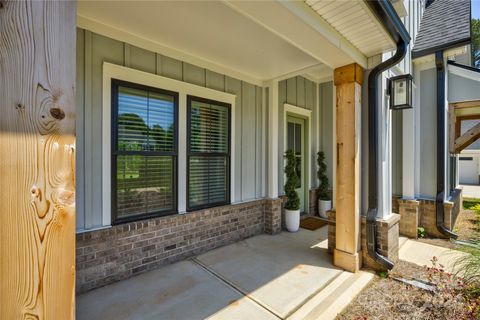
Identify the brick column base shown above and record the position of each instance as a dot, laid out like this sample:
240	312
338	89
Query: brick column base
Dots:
387	240
273	215
408	210
428	214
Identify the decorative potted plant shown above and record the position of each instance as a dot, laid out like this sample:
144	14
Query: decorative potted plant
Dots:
324	201
292	205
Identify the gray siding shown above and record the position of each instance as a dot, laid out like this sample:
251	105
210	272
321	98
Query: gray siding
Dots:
92	51
462	89
428	133
299	92
327	126
397	152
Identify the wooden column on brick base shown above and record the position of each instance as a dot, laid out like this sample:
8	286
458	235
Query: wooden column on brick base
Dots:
37	167
348	80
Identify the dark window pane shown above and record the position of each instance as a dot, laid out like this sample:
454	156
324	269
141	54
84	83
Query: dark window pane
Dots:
145	152
145	120
132	119
291	136
207	180
208	171
161	122
144	184
298	139
130	184
209	128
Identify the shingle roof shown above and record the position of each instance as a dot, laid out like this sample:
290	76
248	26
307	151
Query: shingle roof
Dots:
445	24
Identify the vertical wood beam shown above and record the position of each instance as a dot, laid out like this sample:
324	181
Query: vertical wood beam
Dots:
348	80
37	168
454	128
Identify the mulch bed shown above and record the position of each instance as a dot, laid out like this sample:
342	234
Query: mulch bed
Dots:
467	228
386	298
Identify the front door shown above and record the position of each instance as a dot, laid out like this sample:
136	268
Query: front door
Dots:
296	142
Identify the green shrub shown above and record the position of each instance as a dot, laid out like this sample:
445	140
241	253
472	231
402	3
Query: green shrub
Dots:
471	204
322	191
421	232
293	201
468	266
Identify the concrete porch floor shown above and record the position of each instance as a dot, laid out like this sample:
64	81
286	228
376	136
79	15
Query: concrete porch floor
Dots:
286	276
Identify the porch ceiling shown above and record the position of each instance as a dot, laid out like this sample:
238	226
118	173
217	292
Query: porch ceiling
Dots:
209	31
355	21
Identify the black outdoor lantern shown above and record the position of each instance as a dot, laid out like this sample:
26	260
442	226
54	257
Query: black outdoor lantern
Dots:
401	92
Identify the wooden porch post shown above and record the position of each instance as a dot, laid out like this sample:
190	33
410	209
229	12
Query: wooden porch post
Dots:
348	80
37	160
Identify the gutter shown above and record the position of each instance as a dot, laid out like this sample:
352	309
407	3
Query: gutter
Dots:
440	198
388	17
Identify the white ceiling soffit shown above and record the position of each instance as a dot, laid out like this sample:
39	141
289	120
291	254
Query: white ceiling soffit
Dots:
355	21
298	24
206	33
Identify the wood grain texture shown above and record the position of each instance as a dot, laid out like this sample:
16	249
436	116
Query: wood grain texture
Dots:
348	108
467	138
37	147
465	104
347	74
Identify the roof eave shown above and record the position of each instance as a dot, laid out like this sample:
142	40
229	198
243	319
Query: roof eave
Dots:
443	47
385	12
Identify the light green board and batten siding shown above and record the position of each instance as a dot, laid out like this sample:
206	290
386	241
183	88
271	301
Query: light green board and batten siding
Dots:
92	51
300	92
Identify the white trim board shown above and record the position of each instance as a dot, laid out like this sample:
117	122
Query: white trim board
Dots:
112	71
464	73
306	114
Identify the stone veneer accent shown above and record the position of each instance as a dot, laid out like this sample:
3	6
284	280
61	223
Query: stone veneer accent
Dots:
109	255
387	240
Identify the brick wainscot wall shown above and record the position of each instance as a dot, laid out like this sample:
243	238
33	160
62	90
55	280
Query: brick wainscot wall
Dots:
108	255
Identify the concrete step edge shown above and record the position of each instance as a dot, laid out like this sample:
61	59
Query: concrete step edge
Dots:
328	303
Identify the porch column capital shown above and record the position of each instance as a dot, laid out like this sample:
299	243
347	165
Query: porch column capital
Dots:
348	74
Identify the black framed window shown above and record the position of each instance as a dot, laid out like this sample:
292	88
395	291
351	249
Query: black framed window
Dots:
208	174
144	151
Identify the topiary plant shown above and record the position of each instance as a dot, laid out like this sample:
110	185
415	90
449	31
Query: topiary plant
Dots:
293	201
322	191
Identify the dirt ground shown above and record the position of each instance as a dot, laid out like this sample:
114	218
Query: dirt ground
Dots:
388	299
467	228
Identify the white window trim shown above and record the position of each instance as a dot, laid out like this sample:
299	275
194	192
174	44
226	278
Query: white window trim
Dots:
307	115
112	71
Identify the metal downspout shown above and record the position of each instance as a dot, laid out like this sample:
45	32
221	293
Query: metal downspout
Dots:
440	198
371	230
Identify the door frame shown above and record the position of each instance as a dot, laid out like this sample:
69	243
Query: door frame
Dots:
299	112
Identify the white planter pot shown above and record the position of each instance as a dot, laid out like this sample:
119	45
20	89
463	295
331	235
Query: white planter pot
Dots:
323	207
292	220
